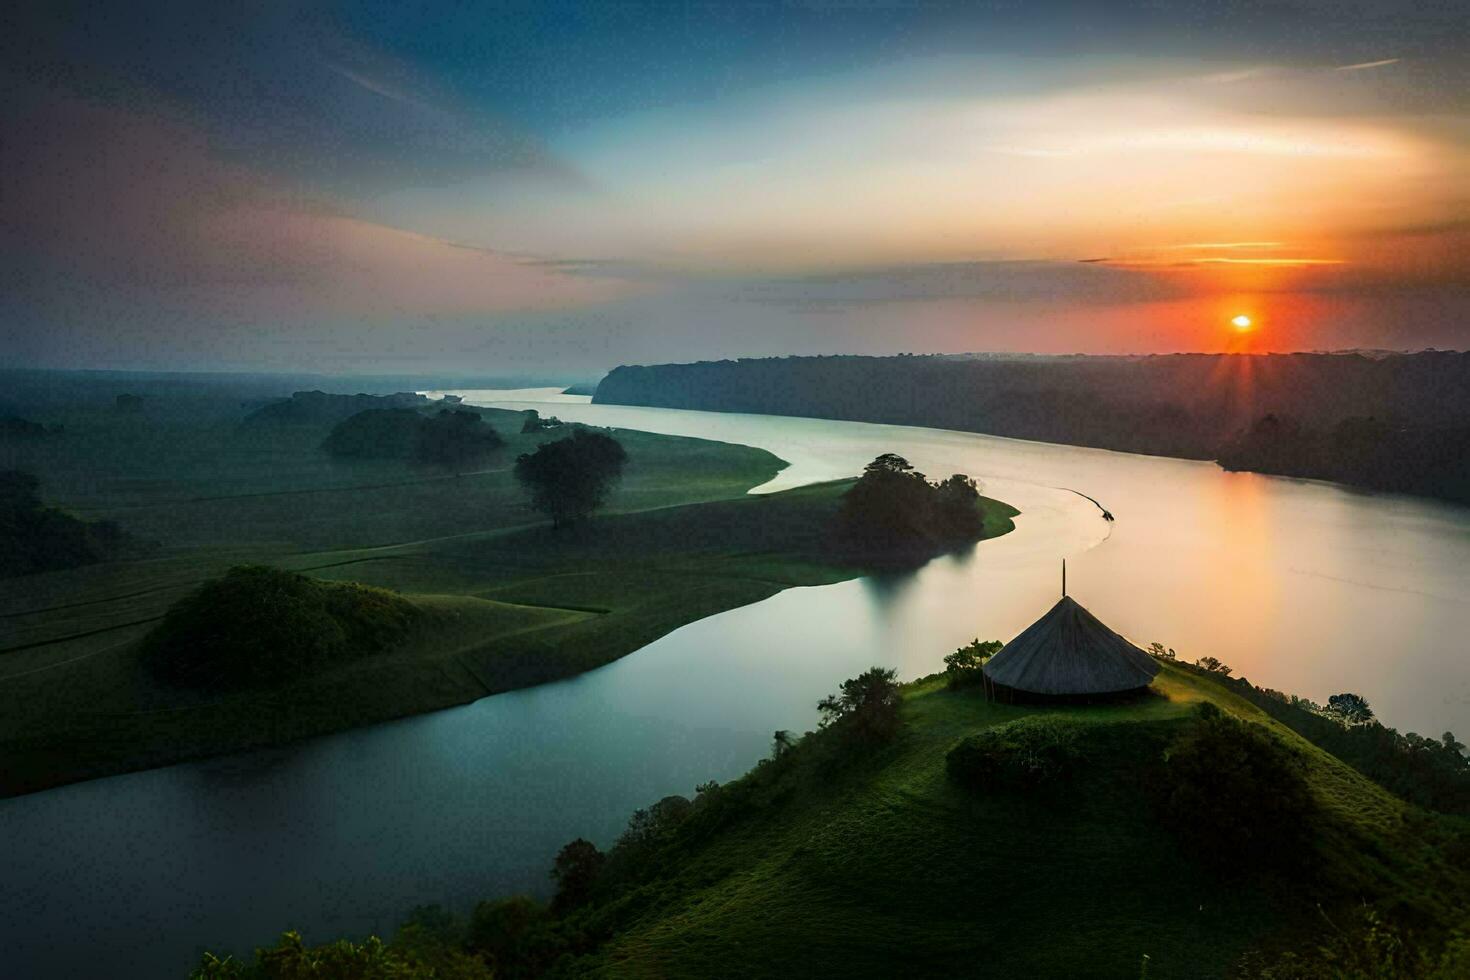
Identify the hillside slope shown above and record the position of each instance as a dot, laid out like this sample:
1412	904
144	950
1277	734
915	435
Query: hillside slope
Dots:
819	863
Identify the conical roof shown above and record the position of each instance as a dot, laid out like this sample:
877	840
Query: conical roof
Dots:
1070	651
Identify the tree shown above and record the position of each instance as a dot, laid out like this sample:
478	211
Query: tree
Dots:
964	665
1213	666
956	507
453	438
575	871
865	705
377	433
570	478
1351	708
448	438
781	743
894	513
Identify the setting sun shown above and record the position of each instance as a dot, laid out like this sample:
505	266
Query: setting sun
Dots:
1241	322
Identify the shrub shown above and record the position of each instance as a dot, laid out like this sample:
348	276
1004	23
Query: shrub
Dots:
1236	792
263	625
866	706
1024	754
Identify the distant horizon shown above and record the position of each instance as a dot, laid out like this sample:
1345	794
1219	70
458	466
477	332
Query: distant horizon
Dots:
552	376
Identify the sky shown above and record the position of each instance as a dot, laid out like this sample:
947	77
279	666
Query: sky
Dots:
532	187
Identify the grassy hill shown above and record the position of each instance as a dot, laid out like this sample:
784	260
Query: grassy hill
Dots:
835	863
833	859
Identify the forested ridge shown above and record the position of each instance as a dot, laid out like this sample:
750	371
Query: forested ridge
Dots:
1416	406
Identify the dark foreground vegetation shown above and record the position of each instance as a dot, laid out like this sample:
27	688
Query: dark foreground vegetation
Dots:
463	587
1396	422
926	831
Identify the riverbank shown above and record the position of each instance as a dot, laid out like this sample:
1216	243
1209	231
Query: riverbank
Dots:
507	605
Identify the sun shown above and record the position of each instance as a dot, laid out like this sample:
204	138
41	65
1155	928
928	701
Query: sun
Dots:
1241	322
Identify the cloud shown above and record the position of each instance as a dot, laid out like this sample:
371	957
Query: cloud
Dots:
1368	64
138	207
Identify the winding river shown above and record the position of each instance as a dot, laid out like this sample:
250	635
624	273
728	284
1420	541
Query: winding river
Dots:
1305	587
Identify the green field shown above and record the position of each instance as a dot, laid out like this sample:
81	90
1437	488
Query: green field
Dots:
509	602
834	863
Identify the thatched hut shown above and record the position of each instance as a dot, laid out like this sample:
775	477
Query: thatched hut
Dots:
1068	654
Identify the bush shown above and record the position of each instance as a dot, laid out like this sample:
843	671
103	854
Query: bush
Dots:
1236	792
263	625
1024	754
866	706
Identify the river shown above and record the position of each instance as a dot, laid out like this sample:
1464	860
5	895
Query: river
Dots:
1306	587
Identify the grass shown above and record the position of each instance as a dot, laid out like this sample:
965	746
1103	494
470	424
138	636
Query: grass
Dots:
883	867
508	602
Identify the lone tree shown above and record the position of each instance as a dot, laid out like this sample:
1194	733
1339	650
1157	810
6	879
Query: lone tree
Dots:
570	478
